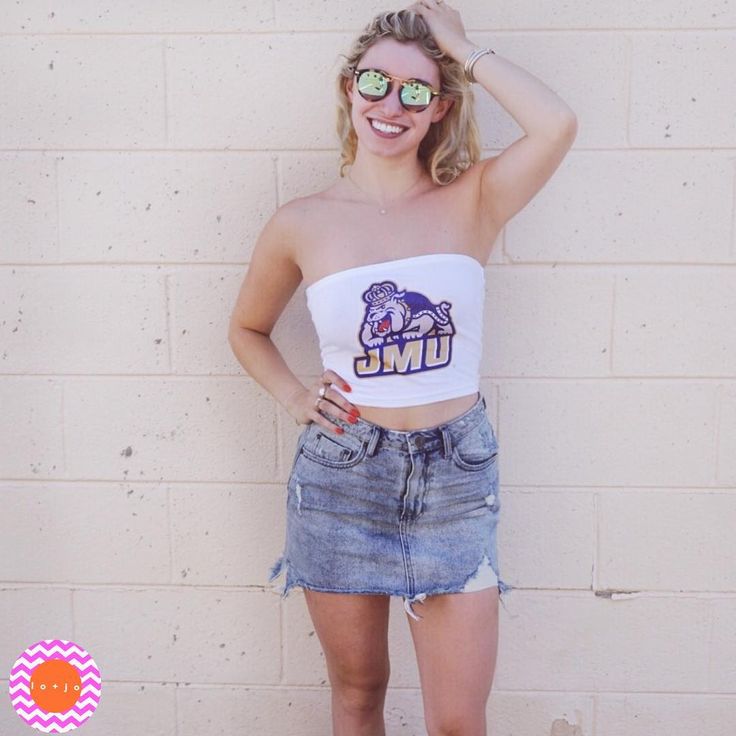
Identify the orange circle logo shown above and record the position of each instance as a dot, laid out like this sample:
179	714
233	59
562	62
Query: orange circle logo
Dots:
55	686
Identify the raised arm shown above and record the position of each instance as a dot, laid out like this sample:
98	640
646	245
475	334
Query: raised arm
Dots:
508	181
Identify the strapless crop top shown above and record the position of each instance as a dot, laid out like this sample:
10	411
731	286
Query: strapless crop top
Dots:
402	332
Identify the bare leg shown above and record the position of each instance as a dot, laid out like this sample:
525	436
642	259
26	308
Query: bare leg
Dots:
353	632
456	643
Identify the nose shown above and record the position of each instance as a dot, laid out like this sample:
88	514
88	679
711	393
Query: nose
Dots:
391	102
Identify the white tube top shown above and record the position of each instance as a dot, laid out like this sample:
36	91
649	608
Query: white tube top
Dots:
402	332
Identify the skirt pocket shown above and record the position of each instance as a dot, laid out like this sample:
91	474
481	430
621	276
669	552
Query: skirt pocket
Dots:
338	451
477	449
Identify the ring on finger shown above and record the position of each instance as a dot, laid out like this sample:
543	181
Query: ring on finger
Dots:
322	391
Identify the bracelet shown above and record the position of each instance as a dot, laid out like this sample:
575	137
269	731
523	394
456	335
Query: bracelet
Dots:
470	62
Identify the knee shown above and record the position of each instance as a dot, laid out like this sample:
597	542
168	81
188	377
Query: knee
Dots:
458	725
360	694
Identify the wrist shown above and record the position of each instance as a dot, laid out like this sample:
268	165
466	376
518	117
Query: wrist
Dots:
291	397
462	49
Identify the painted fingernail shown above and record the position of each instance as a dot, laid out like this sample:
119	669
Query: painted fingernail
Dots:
340	430
347	388
352	419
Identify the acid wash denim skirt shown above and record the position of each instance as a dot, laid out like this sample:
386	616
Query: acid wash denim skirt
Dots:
401	513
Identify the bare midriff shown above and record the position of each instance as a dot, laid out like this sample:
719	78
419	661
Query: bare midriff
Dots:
422	416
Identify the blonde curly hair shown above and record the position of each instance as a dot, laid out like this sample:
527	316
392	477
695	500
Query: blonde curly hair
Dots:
451	145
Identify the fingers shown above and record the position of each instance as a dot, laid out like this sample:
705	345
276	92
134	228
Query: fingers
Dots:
429	5
335	404
329	376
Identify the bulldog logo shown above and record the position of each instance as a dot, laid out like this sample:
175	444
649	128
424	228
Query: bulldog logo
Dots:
402	332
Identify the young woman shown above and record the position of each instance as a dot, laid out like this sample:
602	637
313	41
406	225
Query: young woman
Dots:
393	488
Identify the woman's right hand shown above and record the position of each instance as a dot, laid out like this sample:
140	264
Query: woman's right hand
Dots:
302	405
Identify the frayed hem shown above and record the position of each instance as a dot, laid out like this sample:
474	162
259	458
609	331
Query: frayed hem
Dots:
487	576
282	565
276	569
409	601
503	589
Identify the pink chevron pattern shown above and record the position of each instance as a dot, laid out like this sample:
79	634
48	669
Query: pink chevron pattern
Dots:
19	686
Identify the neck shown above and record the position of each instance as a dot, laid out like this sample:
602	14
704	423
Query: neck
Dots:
385	178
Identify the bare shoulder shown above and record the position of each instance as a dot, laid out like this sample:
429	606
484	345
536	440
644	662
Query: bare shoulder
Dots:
282	229
311	205
282	237
307	217
275	268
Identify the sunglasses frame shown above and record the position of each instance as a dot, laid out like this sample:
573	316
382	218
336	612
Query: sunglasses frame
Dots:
391	78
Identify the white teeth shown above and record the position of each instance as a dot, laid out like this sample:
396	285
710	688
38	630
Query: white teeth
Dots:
386	128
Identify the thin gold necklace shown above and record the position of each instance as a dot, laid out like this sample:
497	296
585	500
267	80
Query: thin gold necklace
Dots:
382	208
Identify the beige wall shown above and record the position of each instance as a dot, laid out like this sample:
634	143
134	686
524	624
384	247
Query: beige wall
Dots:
142	473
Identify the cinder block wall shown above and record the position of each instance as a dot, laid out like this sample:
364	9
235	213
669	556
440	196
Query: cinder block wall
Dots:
143	147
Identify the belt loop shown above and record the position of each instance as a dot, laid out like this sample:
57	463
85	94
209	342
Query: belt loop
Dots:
373	441
446	442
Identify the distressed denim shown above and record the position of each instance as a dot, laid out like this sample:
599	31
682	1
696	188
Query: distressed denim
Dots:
405	513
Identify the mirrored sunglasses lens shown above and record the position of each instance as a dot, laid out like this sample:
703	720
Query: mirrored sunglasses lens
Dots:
416	94
372	84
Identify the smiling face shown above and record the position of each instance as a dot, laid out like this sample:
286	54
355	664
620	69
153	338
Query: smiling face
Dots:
405	60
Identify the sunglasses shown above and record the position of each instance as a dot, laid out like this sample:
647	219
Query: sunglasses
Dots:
415	94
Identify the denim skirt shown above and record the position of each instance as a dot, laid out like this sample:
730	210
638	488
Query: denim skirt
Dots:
384	511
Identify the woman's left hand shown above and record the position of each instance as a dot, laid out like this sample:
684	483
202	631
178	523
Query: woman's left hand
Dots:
444	23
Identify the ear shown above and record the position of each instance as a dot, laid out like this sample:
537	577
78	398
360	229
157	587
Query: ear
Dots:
443	108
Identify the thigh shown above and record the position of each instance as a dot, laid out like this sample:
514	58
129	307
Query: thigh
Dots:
456	643
353	631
